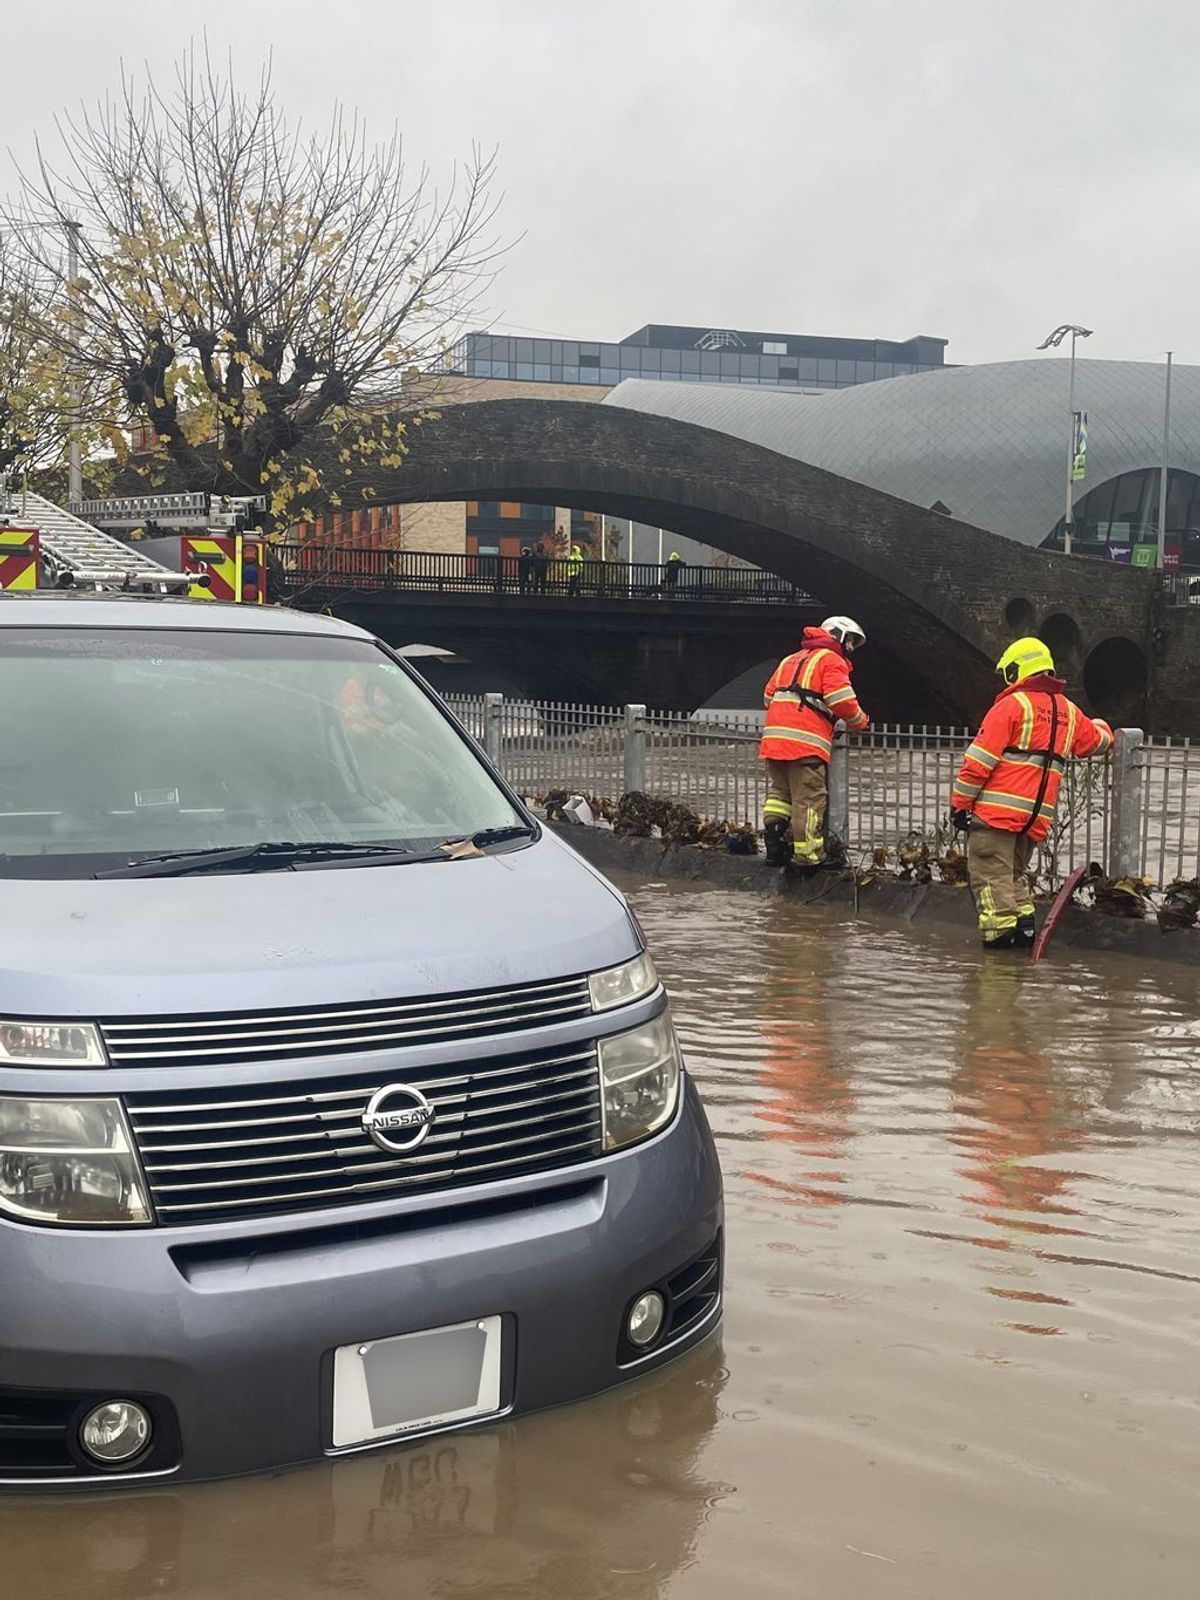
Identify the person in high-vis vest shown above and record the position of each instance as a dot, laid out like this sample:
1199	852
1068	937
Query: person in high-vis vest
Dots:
1007	787
574	570
807	695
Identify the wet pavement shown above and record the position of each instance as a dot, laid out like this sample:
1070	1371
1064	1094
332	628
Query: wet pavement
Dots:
960	1352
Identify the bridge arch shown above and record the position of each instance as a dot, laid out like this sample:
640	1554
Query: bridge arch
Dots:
933	593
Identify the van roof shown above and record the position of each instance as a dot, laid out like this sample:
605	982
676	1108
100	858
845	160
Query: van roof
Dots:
63	608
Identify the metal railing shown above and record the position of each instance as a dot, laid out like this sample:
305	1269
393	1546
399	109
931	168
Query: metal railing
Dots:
1182	588
1136	812
313	565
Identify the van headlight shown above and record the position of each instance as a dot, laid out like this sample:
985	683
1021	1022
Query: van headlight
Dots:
621	986
69	1161
50	1044
639	1081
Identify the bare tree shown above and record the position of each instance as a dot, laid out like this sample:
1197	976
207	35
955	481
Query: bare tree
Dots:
34	383
255	291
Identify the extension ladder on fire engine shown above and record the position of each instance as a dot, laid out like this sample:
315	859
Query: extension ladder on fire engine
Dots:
74	552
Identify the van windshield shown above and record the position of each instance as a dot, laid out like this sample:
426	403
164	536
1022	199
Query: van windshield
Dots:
117	744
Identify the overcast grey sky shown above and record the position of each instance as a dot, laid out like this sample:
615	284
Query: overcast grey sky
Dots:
977	169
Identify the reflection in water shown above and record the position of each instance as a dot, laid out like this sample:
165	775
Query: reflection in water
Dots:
518	1510
808	1100
929	1157
1013	1112
1013	1106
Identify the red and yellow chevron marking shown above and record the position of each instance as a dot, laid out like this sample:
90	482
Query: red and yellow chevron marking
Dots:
216	557
19	558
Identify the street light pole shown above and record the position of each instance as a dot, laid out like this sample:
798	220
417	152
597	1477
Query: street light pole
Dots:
1052	341
1162	472
74	454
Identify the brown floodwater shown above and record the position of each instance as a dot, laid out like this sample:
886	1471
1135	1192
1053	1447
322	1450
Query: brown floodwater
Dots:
960	1357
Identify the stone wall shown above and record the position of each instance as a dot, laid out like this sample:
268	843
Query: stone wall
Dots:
443	527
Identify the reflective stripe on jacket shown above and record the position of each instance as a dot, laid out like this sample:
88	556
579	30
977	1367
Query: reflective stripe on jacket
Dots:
1011	773
807	693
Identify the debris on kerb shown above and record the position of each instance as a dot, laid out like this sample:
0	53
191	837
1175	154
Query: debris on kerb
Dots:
1181	905
641	816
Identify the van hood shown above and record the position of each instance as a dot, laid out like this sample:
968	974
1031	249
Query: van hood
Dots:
155	946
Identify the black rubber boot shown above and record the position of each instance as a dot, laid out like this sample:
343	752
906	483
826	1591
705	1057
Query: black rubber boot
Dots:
1003	941
1026	933
777	842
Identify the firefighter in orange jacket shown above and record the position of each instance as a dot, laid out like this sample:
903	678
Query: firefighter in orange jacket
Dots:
1007	786
807	694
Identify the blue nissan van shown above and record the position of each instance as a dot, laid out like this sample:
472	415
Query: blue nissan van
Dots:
340	1102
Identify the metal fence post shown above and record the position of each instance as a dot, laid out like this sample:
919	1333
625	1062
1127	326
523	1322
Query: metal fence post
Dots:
635	749
838	819
1125	837
493	712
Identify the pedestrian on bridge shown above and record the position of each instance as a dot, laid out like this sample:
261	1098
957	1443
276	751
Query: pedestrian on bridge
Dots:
1007	787
525	569
574	570
808	693
671	570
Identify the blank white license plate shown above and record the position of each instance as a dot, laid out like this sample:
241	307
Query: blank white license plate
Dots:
416	1381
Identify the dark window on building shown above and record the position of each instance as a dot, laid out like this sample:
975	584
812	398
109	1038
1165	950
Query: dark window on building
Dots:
1129	507
1124	512
1095	510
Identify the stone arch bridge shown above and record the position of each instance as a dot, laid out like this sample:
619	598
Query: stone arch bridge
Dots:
939	598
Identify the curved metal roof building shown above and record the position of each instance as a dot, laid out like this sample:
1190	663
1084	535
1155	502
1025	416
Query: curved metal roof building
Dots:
985	443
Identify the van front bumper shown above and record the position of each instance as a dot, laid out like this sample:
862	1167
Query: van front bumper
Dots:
227	1333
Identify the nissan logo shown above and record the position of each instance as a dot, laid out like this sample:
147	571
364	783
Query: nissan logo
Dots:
398	1118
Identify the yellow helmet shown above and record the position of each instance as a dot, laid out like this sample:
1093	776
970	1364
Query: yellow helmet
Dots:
1023	659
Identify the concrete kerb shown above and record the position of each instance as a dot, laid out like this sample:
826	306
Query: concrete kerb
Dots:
933	904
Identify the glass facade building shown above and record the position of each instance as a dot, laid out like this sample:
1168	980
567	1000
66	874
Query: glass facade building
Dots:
678	354
1119	520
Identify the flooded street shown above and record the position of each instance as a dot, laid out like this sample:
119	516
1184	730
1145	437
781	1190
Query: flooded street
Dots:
960	1356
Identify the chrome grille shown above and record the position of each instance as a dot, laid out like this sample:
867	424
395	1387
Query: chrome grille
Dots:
254	1150
216	1037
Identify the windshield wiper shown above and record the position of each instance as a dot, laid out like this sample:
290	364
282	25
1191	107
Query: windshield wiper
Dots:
486	836
281	855
270	854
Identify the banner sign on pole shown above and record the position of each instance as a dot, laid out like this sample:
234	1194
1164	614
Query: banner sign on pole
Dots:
1079	448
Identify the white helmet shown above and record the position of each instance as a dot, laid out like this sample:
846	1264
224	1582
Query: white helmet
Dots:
846	631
